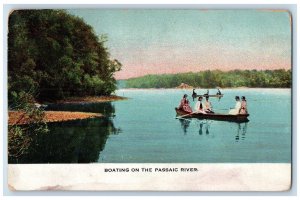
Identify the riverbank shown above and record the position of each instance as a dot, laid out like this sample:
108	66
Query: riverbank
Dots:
20	118
92	99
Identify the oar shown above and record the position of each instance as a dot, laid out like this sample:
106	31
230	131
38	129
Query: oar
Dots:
184	119
223	109
181	117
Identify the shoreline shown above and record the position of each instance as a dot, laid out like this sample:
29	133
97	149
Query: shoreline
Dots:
89	99
20	118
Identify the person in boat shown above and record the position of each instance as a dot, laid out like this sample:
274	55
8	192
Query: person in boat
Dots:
219	92
185	104
236	110
207	93
194	93
244	106
199	107
208	106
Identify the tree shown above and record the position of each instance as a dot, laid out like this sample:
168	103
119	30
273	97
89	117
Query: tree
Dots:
57	55
52	55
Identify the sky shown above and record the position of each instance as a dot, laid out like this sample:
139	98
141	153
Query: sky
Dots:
176	41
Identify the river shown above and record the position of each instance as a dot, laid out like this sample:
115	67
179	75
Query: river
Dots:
143	129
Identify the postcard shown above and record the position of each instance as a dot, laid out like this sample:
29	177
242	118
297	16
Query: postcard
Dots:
149	99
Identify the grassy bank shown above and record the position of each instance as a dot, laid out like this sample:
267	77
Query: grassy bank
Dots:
21	118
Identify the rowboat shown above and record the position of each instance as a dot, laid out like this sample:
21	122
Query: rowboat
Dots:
208	95
214	116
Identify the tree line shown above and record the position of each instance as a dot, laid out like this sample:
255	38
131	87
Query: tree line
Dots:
279	78
53	55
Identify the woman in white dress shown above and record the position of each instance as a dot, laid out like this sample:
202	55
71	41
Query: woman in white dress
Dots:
236	110
199	107
208	106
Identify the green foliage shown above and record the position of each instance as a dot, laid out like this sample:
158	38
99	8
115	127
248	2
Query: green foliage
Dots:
209	79
20	137
57	55
51	55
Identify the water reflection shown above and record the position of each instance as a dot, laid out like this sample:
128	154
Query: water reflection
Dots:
200	130
79	141
241	129
105	108
185	123
205	126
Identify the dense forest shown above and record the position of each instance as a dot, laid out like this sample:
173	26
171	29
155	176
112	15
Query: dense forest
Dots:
209	79
53	55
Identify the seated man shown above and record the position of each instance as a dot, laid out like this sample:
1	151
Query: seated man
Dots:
199	107
207	93
208	106
194	95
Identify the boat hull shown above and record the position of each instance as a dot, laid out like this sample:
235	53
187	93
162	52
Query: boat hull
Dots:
211	95
214	116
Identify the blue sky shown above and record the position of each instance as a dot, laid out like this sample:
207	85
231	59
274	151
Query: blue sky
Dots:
172	41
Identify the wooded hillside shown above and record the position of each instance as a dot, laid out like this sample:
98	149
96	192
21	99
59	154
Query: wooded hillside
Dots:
53	55
209	79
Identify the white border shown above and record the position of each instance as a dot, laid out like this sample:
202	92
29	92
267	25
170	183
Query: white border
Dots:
187	177
245	3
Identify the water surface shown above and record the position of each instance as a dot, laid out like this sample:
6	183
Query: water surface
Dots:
143	129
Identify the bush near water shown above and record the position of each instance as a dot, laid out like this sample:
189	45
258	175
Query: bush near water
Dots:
279	78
